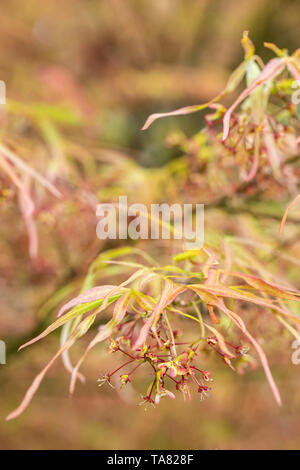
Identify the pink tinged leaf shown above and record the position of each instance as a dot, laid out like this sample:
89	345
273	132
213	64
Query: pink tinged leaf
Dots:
264	362
95	293
255	163
241	325
69	366
268	72
36	383
285	215
27	210
233	316
83	308
246	296
270	289
212	314
169	293
74	313
177	112
80	330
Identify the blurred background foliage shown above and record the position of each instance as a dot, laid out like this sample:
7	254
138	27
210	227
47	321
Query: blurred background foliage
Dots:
81	78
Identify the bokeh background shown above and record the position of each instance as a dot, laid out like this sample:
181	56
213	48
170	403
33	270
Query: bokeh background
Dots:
115	62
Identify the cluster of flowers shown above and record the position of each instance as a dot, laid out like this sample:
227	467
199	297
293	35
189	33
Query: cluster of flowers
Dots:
178	370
